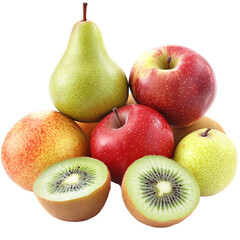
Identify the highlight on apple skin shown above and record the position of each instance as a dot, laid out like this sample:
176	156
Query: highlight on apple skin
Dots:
129	133
176	81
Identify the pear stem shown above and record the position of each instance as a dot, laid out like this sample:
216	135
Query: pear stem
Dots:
206	132
169	59
117	117
85	11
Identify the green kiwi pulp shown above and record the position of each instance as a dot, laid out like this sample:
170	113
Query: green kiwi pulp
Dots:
73	179
70	179
161	189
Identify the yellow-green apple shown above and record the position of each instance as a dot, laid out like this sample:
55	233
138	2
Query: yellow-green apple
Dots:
210	156
176	81
128	134
39	140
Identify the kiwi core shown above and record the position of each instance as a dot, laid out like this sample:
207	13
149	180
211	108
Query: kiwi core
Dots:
72	179
163	188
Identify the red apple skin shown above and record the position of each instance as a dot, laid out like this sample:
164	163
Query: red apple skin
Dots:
144	132
182	93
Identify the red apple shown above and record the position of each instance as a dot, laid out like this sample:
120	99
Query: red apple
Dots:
176	81
128	134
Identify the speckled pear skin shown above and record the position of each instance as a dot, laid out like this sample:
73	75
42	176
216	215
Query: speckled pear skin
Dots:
39	140
203	122
87	83
212	159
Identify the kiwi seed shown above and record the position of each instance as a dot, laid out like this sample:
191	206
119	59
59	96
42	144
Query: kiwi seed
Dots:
74	189
149	185
61	182
159	192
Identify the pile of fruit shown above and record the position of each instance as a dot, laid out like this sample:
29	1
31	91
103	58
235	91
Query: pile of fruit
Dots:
157	144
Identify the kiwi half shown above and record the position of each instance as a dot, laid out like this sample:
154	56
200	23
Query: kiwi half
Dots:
75	189
159	192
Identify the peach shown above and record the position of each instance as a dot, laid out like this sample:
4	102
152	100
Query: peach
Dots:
87	127
39	140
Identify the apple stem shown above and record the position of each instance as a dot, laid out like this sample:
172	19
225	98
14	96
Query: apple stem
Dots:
85	11
169	59
206	132
117	117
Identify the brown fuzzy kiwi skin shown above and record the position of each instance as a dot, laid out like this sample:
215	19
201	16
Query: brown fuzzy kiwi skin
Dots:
138	215
203	122
79	209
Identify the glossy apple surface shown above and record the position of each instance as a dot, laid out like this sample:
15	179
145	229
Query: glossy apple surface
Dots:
176	81
143	131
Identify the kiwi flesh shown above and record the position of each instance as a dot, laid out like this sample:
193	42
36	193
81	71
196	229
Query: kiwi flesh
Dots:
74	189
159	192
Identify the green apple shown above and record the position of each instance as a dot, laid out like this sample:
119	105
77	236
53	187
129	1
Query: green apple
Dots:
210	156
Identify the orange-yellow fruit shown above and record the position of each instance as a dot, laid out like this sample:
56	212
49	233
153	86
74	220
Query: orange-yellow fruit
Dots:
203	122
74	189
39	140
87	128
130	100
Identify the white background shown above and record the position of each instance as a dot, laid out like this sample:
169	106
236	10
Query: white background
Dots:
34	35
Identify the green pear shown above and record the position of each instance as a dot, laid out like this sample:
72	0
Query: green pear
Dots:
87	84
210	156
